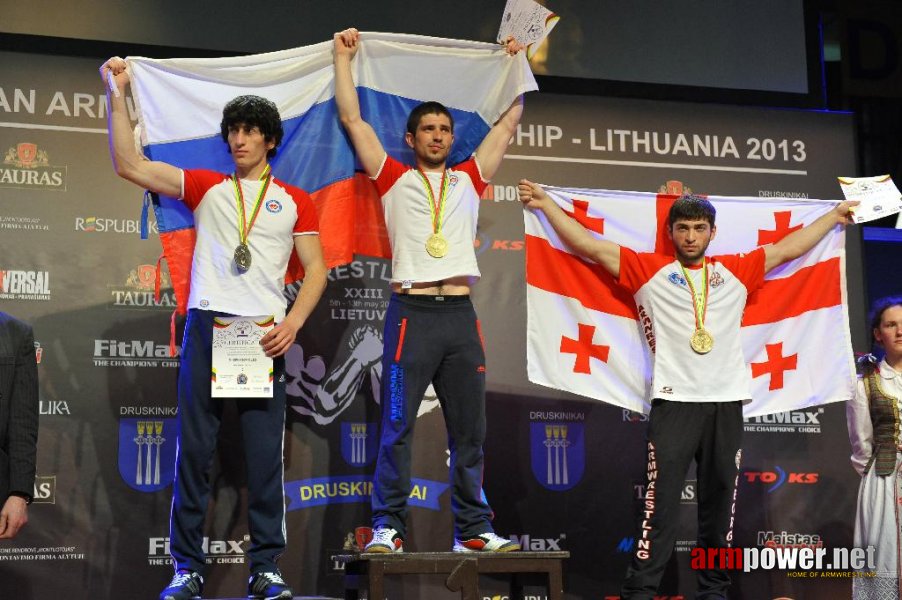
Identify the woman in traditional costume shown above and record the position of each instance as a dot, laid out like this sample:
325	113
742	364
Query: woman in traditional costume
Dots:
873	418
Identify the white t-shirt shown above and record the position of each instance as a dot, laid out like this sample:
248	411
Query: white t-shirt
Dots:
662	294
216	282
408	219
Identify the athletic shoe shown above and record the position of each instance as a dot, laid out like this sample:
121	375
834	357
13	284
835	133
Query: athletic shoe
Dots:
268	586
486	542
385	540
185	585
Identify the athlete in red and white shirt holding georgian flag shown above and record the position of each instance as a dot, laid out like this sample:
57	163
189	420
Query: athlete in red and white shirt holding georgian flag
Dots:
431	331
700	379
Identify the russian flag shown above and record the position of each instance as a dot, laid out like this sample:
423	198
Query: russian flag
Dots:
586	335
179	107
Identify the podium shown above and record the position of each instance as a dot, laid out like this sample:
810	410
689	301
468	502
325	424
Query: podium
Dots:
368	570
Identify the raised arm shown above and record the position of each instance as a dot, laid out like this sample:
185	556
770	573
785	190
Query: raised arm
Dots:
801	241
494	145
155	176
310	252
366	143
603	252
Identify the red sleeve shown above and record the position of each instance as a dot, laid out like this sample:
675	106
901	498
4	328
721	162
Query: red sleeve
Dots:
390	172
307	221
471	168
196	182
748	268
636	269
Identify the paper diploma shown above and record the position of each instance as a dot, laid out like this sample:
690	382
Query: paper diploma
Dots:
879	197
240	367
529	23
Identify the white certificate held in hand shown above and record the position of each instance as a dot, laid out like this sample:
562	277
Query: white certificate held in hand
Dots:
240	367
529	22
879	197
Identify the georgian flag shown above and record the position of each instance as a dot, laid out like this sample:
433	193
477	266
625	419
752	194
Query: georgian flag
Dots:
584	334
179	104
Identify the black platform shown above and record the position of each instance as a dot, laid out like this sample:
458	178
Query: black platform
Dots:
462	570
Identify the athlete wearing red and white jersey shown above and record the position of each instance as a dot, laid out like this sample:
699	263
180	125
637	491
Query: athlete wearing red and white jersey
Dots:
700	380
408	220
216	283
659	285
247	224
431	334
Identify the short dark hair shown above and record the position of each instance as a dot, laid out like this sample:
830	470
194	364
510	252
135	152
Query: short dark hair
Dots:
427	108
690	207
881	306
253	111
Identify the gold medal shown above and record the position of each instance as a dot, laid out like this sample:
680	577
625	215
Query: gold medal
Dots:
243	257
701	341
437	245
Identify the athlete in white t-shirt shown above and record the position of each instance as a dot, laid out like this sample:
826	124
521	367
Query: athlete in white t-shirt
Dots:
700	378
248	224
431	331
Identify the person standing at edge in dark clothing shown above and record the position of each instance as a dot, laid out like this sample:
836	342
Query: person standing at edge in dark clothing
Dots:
246	282
18	423
700	378
432	334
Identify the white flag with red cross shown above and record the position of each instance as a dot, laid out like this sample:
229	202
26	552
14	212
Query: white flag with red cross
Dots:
586	336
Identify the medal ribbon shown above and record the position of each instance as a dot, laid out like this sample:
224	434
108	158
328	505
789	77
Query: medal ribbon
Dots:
244	229
436	209
699	301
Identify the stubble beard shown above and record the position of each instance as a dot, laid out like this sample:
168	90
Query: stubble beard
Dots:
433	161
686	258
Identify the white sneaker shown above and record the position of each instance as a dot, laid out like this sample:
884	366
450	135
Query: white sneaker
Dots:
385	540
486	542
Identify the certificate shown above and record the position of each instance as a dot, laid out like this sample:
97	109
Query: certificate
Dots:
879	197
240	367
529	22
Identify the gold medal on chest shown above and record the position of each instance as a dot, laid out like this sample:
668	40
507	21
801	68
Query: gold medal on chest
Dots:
437	245
701	341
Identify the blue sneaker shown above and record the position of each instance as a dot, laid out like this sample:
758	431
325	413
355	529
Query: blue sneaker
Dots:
185	585
268	586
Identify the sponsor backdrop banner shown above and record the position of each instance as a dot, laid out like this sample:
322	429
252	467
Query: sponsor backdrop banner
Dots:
562	472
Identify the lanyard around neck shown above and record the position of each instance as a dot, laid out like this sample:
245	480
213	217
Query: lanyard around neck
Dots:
699	300
436	209
244	229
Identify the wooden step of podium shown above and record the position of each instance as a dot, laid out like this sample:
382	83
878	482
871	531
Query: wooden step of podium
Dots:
368	570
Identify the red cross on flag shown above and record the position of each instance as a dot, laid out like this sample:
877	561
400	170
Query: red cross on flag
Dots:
587	336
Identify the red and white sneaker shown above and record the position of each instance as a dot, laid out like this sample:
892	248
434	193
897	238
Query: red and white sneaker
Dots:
486	542
385	540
